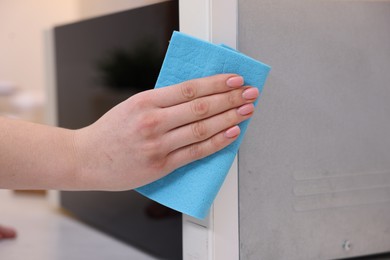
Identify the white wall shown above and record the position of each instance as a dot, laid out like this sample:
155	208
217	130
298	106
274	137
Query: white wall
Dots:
22	24
23	51
24	47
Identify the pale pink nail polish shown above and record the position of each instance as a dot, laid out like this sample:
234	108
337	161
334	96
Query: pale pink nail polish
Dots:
236	81
232	132
250	93
246	109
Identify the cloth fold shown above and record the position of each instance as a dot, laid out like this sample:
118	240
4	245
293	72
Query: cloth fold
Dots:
192	188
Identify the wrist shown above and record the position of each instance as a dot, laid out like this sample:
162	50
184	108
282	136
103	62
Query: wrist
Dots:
79	160
88	164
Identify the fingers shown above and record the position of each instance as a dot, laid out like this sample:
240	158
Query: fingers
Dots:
192	89
208	106
204	129
200	150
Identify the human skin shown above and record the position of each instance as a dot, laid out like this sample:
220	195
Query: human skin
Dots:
138	141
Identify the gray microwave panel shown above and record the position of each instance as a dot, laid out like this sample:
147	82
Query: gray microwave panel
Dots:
314	168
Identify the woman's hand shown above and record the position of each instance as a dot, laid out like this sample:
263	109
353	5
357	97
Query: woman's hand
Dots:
140	140
156	131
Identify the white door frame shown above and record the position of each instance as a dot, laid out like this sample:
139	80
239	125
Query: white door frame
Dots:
217	236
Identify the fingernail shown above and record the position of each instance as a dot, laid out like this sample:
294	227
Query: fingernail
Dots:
236	81
232	132
246	109
250	93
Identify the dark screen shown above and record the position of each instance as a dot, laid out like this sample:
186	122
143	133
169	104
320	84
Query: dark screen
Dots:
99	63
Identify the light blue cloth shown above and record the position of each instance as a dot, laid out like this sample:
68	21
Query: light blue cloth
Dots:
192	188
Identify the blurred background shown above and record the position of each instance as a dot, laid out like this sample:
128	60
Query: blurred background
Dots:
37	41
25	68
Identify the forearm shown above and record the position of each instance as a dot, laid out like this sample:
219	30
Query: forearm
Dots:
34	156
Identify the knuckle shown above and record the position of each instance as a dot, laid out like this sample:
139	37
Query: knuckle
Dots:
152	152
141	100
231	117
188	90
217	143
200	107
199	130
148	125
159	166
195	151
233	98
